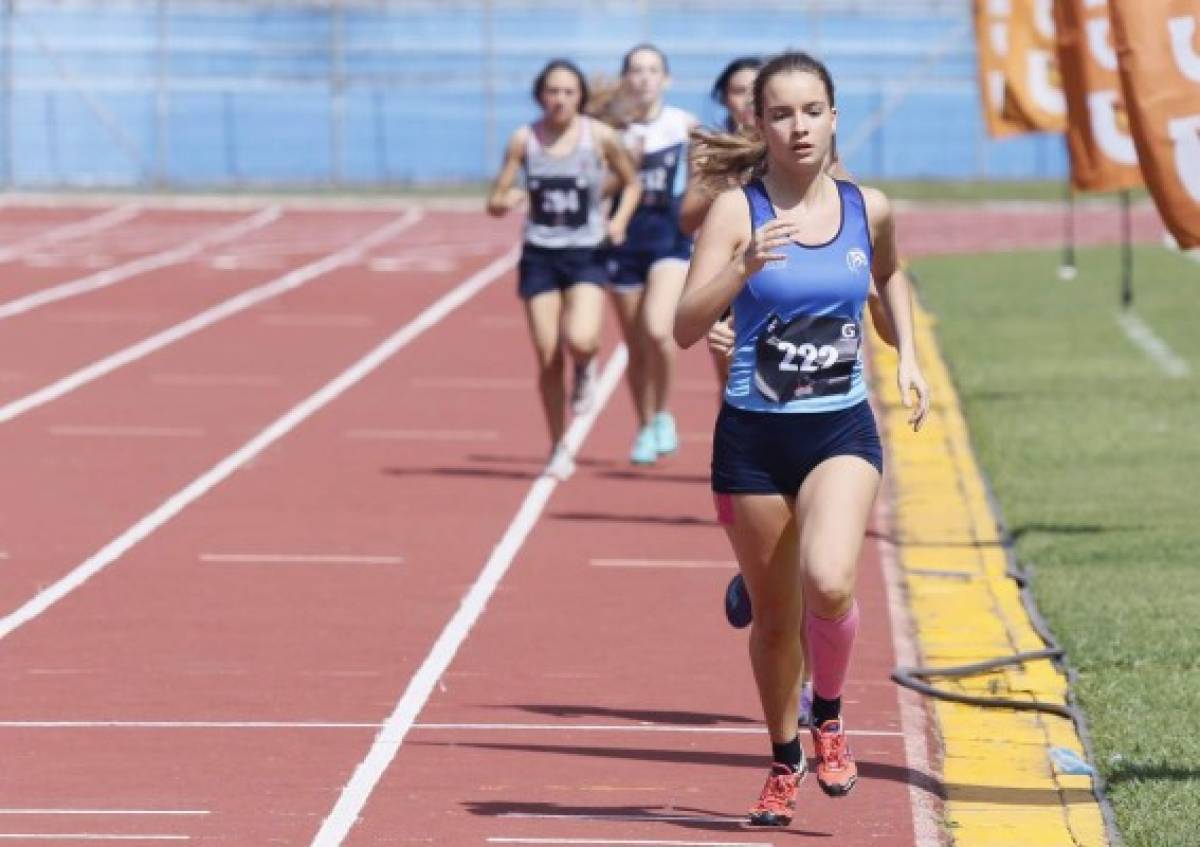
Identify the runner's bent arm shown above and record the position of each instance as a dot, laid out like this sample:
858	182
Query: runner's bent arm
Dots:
502	197
621	166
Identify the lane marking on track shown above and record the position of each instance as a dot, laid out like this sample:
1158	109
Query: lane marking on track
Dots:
351	321
299	559
648	817
914	716
96	223
105	812
128	431
423	434
427	727
350	377
203	380
710	564
214	314
1140	333
611	842
473	382
86	836
370	770
141	265
104	317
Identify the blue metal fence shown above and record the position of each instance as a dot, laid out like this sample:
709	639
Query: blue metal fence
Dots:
180	93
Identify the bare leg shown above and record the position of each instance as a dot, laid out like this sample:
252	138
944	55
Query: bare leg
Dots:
663	289
544	314
583	314
627	304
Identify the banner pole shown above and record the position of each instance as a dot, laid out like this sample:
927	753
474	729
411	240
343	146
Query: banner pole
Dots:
1126	252
1067	269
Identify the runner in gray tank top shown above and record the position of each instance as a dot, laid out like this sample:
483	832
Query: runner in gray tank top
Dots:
564	157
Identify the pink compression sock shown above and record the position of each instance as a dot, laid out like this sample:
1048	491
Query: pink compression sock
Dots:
829	644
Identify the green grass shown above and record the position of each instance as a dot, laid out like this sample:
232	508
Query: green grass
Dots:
1094	456
942	190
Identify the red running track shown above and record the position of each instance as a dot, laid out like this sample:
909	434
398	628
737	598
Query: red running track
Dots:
220	681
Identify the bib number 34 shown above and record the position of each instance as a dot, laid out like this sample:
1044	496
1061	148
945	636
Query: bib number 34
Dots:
808	356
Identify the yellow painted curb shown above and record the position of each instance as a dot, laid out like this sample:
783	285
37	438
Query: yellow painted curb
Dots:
1001	789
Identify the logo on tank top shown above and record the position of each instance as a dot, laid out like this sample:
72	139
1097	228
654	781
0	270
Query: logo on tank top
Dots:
856	260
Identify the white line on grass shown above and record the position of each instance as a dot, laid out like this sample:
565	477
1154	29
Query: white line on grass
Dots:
387	743
96	223
116	548
1143	336
141	265
238	303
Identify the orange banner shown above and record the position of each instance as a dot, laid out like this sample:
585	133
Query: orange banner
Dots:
1031	66
1103	156
1158	52
1001	116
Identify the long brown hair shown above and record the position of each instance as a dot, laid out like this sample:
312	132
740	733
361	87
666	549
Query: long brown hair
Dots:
723	159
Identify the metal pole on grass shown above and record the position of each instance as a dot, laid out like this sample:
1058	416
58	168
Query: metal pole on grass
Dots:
1126	251
1067	268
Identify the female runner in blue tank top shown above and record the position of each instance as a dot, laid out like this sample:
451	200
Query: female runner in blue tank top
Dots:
561	274
796	455
648	270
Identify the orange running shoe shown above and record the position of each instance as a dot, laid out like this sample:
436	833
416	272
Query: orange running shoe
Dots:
777	803
836	771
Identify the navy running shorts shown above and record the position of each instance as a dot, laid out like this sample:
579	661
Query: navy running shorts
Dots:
774	452
628	268
545	269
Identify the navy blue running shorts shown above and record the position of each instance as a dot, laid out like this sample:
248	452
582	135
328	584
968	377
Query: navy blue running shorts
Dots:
628	268
545	269
773	452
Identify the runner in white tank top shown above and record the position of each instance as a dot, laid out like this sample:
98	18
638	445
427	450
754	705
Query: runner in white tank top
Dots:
561	275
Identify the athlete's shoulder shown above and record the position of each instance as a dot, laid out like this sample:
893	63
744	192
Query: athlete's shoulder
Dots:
681	120
876	201
730	211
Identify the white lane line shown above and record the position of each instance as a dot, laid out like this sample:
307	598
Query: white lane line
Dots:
116	548
473	382
424	434
128	431
387	743
628	842
299	559
1168	361
205	380
721	564
137	812
914	712
97	223
104	317
141	265
210	316
86	836
567	728
317	320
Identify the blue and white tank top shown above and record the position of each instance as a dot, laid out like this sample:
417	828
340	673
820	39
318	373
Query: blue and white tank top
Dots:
564	192
663	141
798	322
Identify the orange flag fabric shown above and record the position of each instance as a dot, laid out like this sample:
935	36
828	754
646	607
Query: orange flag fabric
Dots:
1001	115
1103	155
1031	66
1158	52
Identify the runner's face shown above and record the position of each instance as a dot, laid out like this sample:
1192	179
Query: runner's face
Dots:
646	77
797	121
560	96
739	97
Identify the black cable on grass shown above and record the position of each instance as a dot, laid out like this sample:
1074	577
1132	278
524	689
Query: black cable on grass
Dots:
917	678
